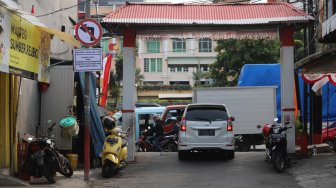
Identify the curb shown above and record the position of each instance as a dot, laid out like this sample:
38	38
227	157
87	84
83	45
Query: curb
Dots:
11	181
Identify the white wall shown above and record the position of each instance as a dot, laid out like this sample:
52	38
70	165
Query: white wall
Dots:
28	108
59	49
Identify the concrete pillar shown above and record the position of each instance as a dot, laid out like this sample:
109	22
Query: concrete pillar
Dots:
165	45
129	88
287	83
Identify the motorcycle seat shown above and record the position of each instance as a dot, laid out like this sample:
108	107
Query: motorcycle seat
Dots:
124	143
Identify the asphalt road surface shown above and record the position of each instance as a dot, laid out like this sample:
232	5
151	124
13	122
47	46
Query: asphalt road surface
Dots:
248	169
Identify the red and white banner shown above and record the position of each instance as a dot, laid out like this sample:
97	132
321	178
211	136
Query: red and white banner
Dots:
312	78
107	61
319	79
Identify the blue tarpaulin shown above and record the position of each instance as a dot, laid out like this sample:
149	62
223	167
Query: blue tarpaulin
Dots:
269	75
96	128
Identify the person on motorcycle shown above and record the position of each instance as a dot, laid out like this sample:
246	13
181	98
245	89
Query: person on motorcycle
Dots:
175	129
158	130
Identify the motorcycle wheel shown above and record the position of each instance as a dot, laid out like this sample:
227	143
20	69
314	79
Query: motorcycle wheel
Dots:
170	147
66	170
47	174
279	162
109	169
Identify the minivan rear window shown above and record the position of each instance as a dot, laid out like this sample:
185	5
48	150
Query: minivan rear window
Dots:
206	114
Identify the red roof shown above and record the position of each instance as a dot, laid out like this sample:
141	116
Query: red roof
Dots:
208	14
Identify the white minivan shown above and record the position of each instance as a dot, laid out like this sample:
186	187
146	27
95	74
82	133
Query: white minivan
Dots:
206	127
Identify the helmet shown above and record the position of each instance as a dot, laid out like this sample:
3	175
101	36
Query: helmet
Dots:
156	117
266	131
108	123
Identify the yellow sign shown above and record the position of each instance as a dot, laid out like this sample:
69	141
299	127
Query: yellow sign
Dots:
28	48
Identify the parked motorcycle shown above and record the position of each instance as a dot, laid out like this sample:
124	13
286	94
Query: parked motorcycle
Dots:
276	144
43	158
115	148
168	143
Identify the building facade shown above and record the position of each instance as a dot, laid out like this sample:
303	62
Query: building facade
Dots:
174	61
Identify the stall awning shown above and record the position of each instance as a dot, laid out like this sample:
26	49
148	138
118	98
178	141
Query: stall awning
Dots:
318	69
61	35
320	62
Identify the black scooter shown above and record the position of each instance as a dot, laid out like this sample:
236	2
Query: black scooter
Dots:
276	146
43	158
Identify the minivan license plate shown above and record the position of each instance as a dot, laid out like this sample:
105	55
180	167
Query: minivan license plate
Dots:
206	132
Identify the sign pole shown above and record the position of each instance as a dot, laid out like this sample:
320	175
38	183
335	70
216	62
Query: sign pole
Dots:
87	113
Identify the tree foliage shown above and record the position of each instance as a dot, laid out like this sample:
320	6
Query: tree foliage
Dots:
298	46
115	82
197	76
138	77
116	79
233	54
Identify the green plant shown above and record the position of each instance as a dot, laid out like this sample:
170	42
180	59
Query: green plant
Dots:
298	126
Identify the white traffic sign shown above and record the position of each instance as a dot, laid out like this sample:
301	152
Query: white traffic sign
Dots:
88	60
88	32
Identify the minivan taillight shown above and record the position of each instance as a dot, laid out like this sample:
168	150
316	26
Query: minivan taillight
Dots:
229	124
183	126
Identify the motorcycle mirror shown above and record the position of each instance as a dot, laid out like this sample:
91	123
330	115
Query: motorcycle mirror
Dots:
128	129
258	126
276	119
287	123
49	122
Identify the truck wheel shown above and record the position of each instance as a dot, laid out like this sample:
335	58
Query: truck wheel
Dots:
245	145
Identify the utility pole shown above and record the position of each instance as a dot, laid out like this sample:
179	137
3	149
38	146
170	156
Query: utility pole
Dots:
87	112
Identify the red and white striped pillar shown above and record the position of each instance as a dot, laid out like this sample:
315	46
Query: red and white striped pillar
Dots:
129	90
287	83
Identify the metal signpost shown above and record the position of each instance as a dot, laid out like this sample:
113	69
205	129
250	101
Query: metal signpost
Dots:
89	59
89	33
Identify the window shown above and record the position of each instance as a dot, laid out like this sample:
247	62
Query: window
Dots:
206	114
152	65
153	46
172	69
179	45
179	69
204	69
205	45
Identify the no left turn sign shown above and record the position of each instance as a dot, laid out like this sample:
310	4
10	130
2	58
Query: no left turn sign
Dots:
88	32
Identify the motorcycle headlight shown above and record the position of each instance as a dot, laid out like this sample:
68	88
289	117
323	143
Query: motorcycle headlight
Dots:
276	130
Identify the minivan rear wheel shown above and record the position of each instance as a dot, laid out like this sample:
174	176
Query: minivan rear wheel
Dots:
182	155
230	155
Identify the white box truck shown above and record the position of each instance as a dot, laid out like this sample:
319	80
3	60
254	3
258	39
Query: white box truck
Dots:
250	106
